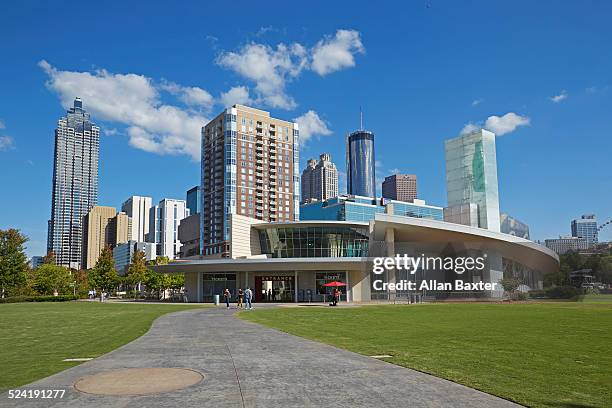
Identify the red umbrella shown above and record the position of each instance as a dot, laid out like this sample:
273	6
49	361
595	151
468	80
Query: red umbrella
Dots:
335	283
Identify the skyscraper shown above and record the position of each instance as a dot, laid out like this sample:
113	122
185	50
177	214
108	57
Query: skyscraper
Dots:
194	200
586	227
360	164
401	187
75	183
320	181
164	219
250	166
102	227
137	208
471	175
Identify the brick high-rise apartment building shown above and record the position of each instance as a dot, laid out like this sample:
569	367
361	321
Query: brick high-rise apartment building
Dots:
401	187
250	166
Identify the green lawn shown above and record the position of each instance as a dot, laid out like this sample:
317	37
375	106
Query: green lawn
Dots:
540	354
36	337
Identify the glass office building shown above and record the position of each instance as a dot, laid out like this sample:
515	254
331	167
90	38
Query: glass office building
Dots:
360	164
194	200
586	227
75	183
364	209
471	175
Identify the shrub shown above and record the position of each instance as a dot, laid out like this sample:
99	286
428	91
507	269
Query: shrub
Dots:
19	299
563	292
522	296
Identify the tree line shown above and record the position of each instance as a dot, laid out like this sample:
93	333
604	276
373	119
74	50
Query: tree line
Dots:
18	279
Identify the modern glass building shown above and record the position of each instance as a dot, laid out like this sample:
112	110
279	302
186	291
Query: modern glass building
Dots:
512	226
471	175
292	261
360	164
75	183
364	209
194	200
586	227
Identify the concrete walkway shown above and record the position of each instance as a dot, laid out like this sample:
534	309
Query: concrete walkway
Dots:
247	365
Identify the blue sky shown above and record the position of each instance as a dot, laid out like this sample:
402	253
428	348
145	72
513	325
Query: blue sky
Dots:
152	72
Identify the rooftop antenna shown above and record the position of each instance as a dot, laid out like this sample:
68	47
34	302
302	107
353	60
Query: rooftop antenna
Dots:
360	119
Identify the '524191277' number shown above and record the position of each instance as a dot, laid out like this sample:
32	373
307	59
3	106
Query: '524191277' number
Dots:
36	394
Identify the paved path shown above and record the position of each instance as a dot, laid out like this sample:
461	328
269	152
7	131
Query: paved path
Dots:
247	365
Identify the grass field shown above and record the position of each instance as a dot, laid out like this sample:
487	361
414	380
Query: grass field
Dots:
36	337
542	355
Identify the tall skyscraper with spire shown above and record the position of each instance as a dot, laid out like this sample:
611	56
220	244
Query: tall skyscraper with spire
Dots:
75	183
360	162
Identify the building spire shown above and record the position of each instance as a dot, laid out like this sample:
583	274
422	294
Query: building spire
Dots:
360	118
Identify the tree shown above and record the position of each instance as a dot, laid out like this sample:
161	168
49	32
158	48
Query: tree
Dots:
510	285
82	283
153	281
51	279
13	260
137	270
103	275
50	258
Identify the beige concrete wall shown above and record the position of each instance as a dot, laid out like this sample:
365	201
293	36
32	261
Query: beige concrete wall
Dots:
245	241
360	285
192	287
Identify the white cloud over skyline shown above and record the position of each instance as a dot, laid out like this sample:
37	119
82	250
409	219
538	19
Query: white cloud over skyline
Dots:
500	125
310	124
272	68
134	101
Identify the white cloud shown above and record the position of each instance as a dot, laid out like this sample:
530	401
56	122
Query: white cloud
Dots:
190	95
394	171
500	125
469	128
6	143
476	102
558	98
310	124
271	69
335	53
134	101
236	95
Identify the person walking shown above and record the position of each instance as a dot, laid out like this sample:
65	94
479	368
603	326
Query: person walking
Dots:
240	297
336	296
248	296
226	296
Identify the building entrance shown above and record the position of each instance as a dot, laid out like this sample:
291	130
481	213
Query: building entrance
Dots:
274	288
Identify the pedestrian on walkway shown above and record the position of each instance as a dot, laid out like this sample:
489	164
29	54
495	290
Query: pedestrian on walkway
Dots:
248	296
240	297
226	296
336	296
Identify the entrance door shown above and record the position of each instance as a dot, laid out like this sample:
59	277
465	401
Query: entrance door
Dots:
274	288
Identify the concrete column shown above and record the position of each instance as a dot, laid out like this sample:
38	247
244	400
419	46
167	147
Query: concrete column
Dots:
348	285
390	244
200	296
296	287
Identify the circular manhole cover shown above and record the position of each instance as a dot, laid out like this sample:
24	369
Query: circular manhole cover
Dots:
138	381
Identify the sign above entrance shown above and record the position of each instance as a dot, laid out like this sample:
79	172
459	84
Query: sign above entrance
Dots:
276	278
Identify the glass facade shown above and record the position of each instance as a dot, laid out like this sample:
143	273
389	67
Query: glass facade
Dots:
314	241
75	184
363	209
471	175
360	164
586	227
194	200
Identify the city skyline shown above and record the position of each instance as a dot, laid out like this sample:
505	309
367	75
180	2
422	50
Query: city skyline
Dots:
550	111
